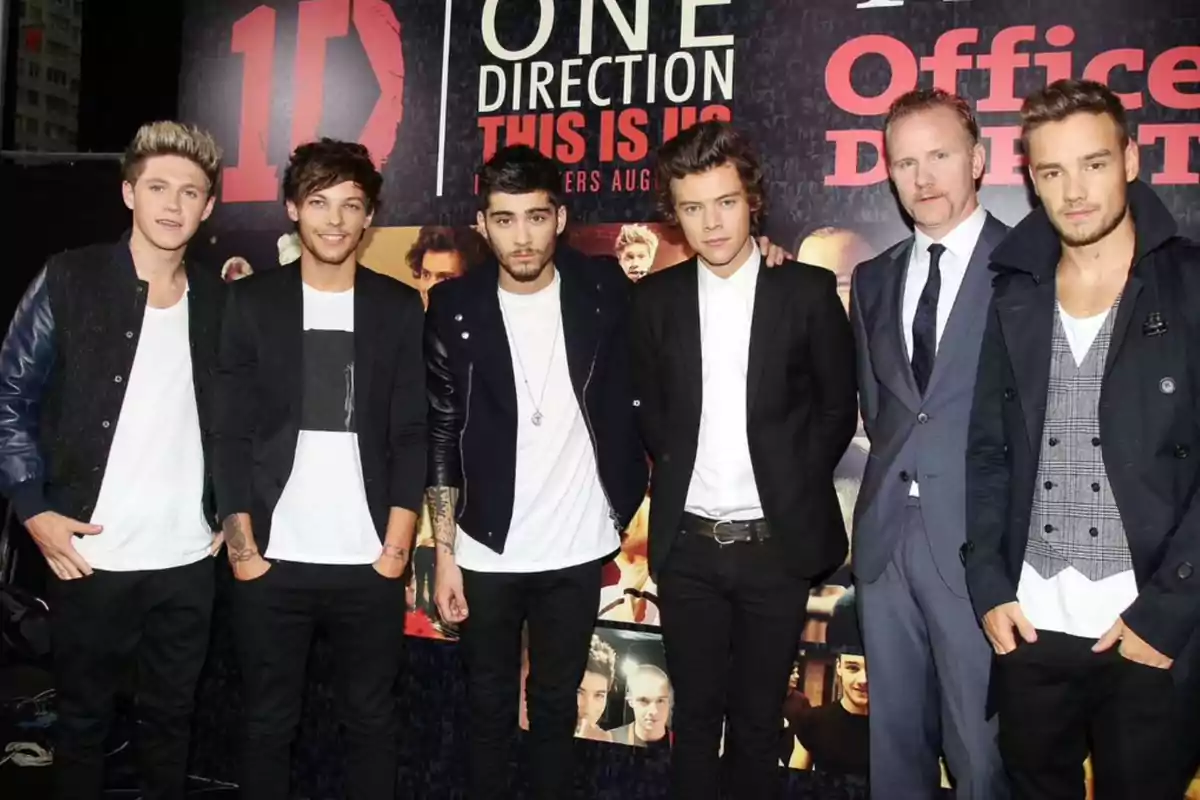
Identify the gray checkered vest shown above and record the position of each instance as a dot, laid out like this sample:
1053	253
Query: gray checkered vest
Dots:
1075	520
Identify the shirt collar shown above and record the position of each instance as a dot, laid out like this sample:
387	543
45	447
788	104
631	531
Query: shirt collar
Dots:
960	241
745	279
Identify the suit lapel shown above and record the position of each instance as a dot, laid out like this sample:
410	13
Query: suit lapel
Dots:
892	364
768	304
582	324
970	305
1133	288
493	358
1027	324
687	323
289	338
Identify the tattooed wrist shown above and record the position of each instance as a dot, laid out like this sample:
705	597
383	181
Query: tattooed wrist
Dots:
248	554
398	552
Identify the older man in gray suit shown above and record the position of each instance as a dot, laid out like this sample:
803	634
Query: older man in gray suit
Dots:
918	312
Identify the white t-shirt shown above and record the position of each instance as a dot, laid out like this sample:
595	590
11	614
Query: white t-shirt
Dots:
151	500
322	516
560	513
1069	602
722	484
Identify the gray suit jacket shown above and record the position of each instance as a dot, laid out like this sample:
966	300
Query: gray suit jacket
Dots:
913	437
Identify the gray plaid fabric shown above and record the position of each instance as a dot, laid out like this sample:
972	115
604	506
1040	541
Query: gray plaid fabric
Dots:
1075	521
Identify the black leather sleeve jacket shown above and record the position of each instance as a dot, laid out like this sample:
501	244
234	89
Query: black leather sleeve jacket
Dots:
472	391
64	368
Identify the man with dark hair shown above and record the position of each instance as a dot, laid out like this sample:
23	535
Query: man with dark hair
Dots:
1084	524
592	697
320	469
744	385
440	253
917	311
104	456
530	495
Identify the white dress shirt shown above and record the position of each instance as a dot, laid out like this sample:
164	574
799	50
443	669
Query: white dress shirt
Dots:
722	485
960	245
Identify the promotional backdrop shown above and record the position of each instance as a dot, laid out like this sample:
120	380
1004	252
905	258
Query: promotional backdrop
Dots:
433	87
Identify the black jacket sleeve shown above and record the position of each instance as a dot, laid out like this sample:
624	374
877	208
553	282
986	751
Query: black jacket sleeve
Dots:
407	442
831	349
234	413
646	389
447	405
988	479
868	392
26	359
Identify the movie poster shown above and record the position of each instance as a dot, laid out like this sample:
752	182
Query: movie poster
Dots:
433	87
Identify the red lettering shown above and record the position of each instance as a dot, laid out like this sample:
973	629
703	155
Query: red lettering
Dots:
252	179
608	119
631	124
546	134
1005	162
901	61
572	148
520	129
1177	144
1057	65
320	20
379	31
946	62
595	185
1166	73
1100	69
846	149
670	123
491	135
1002	64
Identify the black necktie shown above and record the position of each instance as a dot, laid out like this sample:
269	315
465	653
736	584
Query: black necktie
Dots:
924	327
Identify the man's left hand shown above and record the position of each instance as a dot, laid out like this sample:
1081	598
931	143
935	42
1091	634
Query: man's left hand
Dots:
392	562
1132	647
773	254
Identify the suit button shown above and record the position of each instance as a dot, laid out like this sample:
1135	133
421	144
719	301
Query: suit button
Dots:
1185	571
117	379
128	334
1009	394
1048	485
1053	441
1181	451
904	476
1095	441
1093	532
1049	528
1095	487
922	418
666	458
106	424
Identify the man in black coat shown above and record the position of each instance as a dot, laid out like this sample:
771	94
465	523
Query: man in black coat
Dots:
1084	534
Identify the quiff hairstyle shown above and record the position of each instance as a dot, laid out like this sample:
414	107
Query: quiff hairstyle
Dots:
919	100
635	234
602	659
1066	98
705	146
316	166
169	138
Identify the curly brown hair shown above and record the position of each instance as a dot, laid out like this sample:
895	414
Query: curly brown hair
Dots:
705	146
316	166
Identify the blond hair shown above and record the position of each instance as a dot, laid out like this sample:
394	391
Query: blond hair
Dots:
636	234
168	138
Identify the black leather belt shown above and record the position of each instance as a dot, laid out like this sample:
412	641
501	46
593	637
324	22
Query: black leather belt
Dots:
725	531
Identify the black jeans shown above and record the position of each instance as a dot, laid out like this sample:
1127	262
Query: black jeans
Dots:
1059	701
151	626
731	621
560	608
275	619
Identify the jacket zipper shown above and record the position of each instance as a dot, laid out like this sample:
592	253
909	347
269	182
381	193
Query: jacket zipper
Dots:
587	421
462	458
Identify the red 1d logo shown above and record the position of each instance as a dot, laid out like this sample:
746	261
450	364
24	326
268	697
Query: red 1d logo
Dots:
252	178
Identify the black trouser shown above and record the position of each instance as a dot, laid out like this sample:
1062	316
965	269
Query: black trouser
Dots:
1058	701
560	608
275	618
150	625
731	620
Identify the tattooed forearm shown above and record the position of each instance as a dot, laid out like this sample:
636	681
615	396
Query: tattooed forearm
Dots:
395	551
238	542
442	500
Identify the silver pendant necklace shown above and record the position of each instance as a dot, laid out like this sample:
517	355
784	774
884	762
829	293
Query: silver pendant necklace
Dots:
537	417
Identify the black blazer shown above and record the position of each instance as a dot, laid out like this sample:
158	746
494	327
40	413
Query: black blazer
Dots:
801	396
259	394
1148	419
473	394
